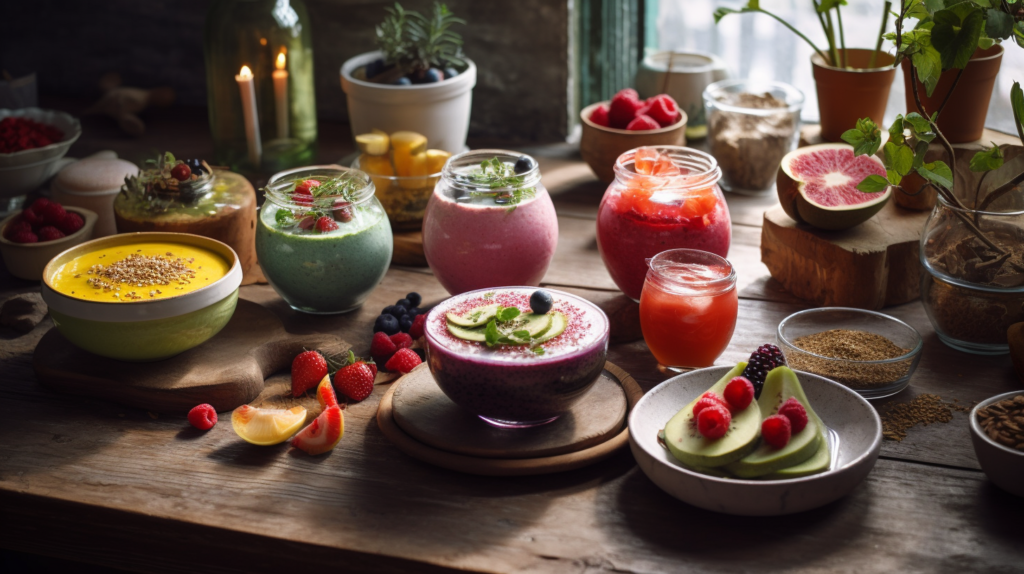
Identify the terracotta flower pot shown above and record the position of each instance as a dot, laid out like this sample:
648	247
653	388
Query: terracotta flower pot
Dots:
963	118
846	95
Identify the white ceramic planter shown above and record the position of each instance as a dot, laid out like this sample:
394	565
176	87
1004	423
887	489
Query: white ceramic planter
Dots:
439	111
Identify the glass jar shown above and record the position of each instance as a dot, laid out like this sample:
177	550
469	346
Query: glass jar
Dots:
404	198
751	126
971	296
480	231
688	308
643	215
323	252
276	98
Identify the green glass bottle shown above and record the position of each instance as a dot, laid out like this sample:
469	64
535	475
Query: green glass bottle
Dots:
259	83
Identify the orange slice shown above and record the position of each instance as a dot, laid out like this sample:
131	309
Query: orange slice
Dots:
266	427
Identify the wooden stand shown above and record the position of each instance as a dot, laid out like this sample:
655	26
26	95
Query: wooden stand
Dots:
409	249
870	266
227	371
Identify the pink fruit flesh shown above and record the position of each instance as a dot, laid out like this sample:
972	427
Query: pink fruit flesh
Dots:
831	176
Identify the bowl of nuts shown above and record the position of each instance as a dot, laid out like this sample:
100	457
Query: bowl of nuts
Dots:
997	431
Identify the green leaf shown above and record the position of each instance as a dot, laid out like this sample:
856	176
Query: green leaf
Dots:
521	334
1017	104
899	158
934	6
538	350
919	152
937	172
282	216
987	159
873	184
928	63
865	138
507	314
896	130
827	5
491	333
956	36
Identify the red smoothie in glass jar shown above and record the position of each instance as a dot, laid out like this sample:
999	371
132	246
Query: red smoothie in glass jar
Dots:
662	198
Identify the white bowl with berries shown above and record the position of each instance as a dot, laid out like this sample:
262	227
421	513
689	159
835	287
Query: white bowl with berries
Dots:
30	238
32	143
756	439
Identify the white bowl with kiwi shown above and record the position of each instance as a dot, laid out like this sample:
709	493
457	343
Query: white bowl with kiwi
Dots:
741	473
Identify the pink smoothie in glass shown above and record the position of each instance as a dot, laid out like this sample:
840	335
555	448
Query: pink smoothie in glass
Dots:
474	240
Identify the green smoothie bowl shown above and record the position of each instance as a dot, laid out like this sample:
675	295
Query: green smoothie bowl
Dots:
146	321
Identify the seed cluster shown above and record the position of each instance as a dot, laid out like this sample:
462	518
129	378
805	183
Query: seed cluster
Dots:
1003	422
924	410
850	346
141	271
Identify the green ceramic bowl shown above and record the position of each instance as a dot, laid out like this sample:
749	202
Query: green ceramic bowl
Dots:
144	330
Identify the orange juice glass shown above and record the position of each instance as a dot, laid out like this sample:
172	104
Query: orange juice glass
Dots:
688	307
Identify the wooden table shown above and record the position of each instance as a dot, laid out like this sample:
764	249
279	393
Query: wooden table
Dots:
96	482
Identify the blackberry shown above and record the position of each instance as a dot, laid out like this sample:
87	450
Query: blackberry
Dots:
764	359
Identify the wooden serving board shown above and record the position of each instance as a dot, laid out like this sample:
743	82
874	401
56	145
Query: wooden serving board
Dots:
870	266
489	466
227	371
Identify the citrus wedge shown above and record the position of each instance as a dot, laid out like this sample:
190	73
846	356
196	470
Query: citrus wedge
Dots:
265	427
323	434
373	144
436	159
325	393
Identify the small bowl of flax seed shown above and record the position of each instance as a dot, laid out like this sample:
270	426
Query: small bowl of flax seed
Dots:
997	431
869	352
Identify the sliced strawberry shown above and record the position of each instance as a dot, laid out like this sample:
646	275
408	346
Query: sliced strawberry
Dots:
306	187
323	434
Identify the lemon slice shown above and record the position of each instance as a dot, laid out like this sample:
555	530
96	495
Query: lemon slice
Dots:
266	427
436	159
373	144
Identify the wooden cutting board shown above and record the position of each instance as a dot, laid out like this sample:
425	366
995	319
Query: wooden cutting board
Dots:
871	266
227	371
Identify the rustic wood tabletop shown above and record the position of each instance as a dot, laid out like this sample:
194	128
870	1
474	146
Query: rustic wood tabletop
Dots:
96	482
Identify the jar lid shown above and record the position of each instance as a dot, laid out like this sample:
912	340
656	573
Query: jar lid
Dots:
338	187
96	175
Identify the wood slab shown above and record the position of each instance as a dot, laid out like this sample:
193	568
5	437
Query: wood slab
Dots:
507	466
423	411
227	371
871	266
409	250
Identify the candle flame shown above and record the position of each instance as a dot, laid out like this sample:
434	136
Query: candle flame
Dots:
246	73
280	61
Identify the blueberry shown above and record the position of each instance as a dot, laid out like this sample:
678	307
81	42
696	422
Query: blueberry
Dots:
524	164
375	67
433	75
389	310
414	299
196	165
398	311
405	303
450	72
541	301
502	199
386	323
405	323
414	312
403	81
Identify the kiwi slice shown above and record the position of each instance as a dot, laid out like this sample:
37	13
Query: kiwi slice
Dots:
468	334
558	324
475	317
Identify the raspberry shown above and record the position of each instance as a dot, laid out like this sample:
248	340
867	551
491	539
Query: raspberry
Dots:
624	108
49	233
776	431
402	340
382	347
38	205
403	361
71	223
18	226
325	224
25	237
418	324
713	421
53	213
600	116
739	393
763	360
708	399
663	109
31	217
795	412
642	123
203	416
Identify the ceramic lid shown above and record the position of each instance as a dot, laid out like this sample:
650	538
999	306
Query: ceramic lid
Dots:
95	175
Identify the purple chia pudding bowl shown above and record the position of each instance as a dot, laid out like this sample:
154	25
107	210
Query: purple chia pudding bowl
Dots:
511	386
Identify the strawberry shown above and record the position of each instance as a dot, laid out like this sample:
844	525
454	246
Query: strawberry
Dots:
403	361
306	187
418	324
203	416
325	224
71	223
304	199
642	123
325	393
402	340
25	237
49	233
53	213
382	347
307	222
308	369
600	116
355	381
323	434
624	108
663	109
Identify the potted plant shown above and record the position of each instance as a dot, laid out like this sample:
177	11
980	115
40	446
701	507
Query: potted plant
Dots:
418	80
851	83
973	244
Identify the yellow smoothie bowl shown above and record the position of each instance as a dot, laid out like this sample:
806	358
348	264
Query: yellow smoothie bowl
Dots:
143	327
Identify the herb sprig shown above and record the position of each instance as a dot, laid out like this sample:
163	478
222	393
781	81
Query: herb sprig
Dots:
499	176
495	336
333	197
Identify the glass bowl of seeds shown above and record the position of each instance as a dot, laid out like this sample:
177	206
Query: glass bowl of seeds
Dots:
870	352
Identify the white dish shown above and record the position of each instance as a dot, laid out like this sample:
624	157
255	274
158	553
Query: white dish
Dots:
25	170
1003	465
853	420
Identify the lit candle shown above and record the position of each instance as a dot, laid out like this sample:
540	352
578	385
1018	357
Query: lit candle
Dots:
281	95
252	125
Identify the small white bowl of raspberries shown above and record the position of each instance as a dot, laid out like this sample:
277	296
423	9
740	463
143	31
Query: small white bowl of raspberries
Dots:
33	236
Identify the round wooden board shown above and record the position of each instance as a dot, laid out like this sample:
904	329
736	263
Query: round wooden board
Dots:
426	414
507	466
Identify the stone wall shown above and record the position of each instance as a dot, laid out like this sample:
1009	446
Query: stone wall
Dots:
520	48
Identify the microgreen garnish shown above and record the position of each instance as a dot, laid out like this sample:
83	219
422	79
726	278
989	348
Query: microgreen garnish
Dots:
488	294
538	350
499	176
332	198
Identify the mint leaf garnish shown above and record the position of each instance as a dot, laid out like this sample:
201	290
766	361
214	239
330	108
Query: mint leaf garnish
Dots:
491	333
507	313
522	334
538	350
501	177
